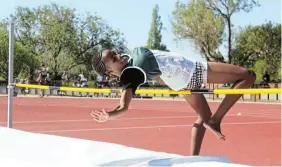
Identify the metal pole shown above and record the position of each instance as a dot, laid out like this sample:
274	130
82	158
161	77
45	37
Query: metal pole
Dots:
11	76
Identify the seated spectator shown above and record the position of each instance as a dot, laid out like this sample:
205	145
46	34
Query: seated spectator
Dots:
82	80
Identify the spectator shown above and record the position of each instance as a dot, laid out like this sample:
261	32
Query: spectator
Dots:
266	80
82	80
100	78
65	77
47	79
43	71
30	79
42	74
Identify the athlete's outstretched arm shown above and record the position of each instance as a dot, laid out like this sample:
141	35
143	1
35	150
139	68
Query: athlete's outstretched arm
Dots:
131	78
102	116
125	100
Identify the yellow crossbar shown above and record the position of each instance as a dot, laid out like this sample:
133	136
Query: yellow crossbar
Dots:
158	91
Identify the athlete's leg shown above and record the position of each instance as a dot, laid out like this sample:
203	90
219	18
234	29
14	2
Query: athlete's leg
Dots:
199	104
227	73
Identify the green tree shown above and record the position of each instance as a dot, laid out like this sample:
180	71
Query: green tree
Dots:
45	30
259	69
57	30
196	23
155	34
227	9
92	34
26	32
63	38
259	43
22	56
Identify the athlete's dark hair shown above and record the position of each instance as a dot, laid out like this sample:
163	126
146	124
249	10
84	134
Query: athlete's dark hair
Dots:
97	64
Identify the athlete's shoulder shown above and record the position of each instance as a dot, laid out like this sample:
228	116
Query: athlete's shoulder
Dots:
141	49
130	71
132	77
141	53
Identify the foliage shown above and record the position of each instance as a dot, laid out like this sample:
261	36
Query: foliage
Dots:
258	68
226	9
197	23
259	43
155	34
22	57
62	38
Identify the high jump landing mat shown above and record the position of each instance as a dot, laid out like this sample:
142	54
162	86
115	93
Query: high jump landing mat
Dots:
26	149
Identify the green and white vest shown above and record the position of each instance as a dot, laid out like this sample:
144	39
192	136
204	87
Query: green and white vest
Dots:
175	70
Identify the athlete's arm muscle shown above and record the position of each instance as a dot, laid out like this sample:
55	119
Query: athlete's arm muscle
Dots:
125	100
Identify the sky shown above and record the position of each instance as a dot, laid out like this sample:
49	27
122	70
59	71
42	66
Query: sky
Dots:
133	18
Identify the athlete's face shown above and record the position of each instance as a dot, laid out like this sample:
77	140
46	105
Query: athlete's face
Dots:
113	61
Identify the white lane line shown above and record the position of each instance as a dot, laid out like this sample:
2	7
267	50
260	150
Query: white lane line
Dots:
148	127
120	119
140	118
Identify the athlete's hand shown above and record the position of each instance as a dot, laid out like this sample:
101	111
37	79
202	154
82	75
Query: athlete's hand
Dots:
100	116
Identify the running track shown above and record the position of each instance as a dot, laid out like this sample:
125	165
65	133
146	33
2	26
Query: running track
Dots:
253	138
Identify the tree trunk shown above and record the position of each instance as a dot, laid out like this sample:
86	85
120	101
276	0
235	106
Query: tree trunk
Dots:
229	39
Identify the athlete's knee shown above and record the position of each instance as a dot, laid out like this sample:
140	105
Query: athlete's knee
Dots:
252	73
251	76
248	75
236	82
201	120
196	125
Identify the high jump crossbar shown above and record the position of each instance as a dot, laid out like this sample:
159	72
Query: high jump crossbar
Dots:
157	91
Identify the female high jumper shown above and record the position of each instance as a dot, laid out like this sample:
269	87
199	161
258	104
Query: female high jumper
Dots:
178	73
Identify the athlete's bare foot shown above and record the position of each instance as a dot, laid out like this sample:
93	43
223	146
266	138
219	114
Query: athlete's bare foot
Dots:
215	129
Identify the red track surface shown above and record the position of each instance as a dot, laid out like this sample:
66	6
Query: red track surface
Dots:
253	138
